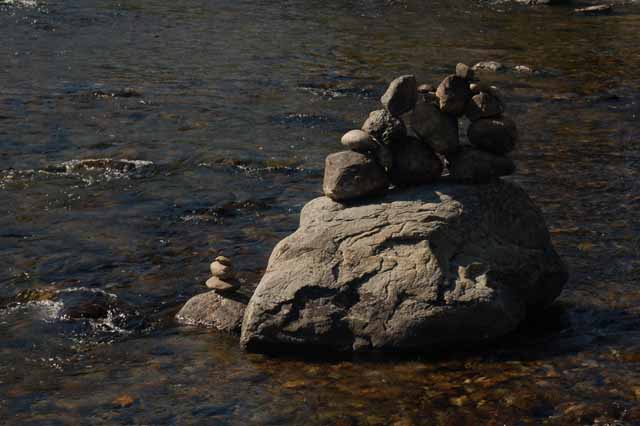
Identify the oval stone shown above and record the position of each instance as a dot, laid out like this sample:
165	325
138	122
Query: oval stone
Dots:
357	140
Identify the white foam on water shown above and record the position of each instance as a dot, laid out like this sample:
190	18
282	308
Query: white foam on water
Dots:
20	3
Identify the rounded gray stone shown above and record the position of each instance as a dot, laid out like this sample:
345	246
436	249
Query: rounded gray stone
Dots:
471	165
484	105
436	128
414	163
214	311
349	175
384	127
357	140
454	93
496	135
401	95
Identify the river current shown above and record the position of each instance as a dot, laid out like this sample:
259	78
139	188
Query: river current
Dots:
139	139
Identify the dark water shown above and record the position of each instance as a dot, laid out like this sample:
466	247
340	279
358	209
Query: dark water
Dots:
210	121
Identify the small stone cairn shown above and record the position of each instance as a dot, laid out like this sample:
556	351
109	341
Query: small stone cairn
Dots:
223	280
387	151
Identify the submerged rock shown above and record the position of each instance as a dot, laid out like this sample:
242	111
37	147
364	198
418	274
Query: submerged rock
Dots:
401	95
212	310
475	166
422	268
492	66
349	175
599	9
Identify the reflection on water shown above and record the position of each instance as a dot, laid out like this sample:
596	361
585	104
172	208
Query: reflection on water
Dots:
141	138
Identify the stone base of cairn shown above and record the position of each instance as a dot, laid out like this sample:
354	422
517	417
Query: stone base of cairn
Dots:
389	151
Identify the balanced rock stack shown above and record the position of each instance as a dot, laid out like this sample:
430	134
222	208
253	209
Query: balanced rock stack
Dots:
223	280
387	151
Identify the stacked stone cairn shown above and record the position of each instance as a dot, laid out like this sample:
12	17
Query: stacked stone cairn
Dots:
223	280
387	151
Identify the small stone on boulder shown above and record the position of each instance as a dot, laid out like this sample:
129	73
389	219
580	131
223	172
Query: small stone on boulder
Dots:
496	135
384	127
222	287
436	128
463	71
414	163
475	166
357	140
401	95
349	175
484	105
454	94
382	154
224	260
426	88
221	271
212	310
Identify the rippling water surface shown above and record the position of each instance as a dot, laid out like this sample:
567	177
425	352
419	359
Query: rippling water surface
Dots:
141	138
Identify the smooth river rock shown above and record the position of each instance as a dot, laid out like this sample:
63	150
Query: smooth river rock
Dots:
384	127
422	268
357	140
438	129
222	286
497	135
471	165
454	93
464	71
214	311
401	95
492	66
483	105
349	175
414	163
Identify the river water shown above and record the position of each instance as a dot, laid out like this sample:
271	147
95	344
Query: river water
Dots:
208	123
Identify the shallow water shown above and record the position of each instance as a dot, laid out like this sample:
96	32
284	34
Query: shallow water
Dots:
210	122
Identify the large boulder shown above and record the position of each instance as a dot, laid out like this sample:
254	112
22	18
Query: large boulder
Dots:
211	310
423	268
349	175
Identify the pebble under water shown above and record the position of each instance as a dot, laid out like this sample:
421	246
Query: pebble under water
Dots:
140	139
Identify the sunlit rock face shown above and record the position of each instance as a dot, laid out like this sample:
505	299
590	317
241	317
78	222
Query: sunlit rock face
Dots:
422	268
